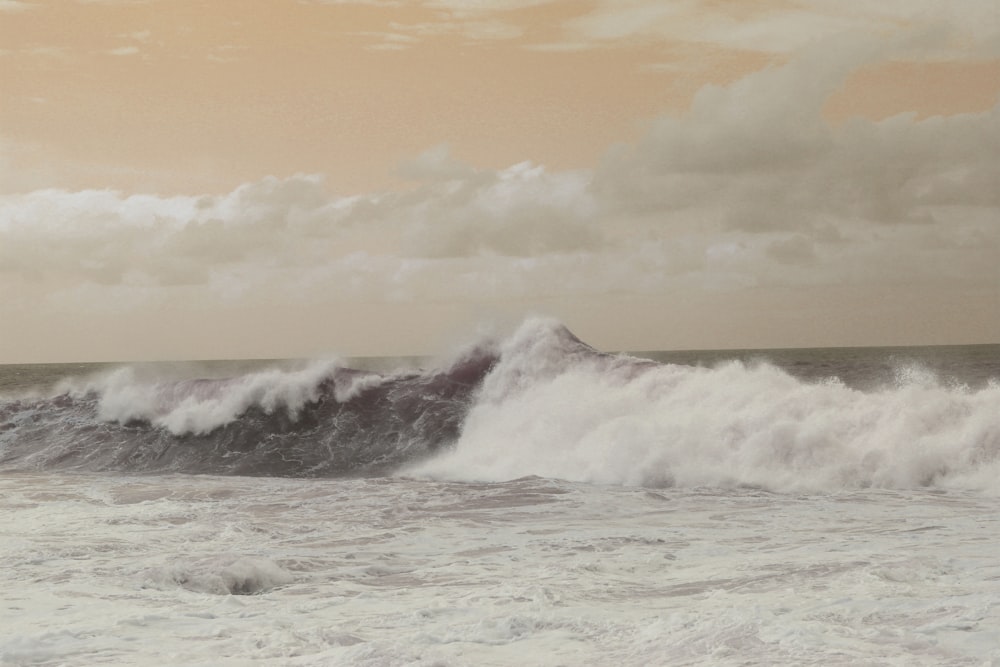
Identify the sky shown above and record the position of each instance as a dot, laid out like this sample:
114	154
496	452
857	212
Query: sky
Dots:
197	179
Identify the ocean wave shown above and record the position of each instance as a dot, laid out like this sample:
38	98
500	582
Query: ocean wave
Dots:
322	421
542	403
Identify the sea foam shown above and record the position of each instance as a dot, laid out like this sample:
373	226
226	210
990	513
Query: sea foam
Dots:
555	408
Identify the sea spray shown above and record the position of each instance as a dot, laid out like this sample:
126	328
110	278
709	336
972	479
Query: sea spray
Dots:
556	408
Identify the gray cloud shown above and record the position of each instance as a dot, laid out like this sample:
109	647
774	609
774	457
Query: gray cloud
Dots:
757	156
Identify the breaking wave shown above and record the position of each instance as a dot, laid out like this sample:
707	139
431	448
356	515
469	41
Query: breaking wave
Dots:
322	421
542	403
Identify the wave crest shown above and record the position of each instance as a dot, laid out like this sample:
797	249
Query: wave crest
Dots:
557	409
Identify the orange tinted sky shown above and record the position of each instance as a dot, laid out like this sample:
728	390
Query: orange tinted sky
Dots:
193	96
219	93
652	121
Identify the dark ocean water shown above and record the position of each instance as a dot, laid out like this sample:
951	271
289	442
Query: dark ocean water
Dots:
859	367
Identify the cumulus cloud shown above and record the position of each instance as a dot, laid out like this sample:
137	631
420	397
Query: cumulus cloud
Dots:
757	156
284	229
520	211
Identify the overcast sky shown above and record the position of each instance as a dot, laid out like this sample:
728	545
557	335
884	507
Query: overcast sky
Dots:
282	178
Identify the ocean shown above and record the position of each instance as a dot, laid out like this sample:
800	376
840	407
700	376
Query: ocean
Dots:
526	501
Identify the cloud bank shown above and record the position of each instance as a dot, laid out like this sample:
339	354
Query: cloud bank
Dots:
751	189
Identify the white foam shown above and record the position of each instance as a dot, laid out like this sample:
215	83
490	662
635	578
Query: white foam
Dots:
105	569
221	575
555	409
199	406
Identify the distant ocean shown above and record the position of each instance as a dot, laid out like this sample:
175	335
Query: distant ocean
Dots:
527	501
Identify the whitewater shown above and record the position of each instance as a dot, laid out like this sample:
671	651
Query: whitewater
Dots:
530	500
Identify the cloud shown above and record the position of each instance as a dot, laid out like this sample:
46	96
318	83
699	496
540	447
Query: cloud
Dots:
15	6
750	189
434	164
473	7
373	3
390	41
757	156
793	249
406	35
754	178
288	228
961	28
47	51
520	211
123	51
226	53
472	20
